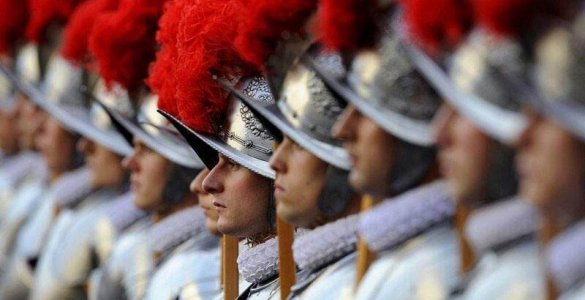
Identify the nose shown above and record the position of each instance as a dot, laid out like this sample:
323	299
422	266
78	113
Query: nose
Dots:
442	125
212	183
278	160
130	162
525	137
84	146
196	186
344	127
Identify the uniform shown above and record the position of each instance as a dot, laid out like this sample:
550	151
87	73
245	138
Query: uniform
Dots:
137	256
509	261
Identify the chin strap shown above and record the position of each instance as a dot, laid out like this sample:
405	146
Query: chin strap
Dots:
336	193
411	165
502	181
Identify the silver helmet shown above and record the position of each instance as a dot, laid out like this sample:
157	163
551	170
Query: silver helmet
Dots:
26	74
478	82
243	138
559	73
386	87
67	98
306	112
155	132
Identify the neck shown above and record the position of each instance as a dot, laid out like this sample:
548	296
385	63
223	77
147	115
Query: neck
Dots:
259	238
54	176
468	255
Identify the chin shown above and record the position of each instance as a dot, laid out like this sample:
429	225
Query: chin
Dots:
292	217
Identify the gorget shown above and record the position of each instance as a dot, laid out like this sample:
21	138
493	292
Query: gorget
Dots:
326	244
259	263
124	213
564	257
71	188
399	219
499	224
176	229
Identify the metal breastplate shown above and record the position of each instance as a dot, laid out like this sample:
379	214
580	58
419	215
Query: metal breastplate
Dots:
68	257
515	274
425	266
125	274
26	197
334	282
189	275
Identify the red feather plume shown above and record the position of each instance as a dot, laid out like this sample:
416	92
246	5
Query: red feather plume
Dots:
76	35
265	22
508	17
13	18
346	25
123	41
45	12
438	24
205	45
162	70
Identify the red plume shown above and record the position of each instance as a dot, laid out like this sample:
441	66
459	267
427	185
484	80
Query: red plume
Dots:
13	19
44	13
508	17
205	47
123	41
265	22
76	35
438	24
161	77
346	25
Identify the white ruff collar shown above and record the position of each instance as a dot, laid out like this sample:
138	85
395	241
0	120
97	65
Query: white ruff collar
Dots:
71	187
177	228
260	262
326	243
500	223
403	217
565	257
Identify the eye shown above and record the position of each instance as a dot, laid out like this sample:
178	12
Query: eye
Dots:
297	147
233	164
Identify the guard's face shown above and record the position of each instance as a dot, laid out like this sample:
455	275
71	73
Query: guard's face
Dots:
105	165
370	149
205	201
57	146
30	119
551	166
464	153
8	131
240	198
148	176
300	177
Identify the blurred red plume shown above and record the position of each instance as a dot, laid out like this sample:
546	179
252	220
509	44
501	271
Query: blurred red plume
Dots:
438	24
45	12
265	22
14	16
123	41
346	25
76	35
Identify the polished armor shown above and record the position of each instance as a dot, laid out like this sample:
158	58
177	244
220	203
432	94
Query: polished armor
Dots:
128	272
31	239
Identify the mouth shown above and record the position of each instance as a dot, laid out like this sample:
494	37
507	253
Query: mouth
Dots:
278	190
445	165
134	185
218	204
